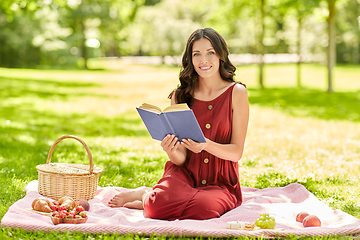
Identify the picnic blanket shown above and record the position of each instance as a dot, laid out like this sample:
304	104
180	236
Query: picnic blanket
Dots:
283	203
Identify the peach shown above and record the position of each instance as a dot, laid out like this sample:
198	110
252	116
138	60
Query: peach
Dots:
300	217
85	204
312	221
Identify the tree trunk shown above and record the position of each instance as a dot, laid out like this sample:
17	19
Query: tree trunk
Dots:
83	43
298	71
356	53
331	47
261	44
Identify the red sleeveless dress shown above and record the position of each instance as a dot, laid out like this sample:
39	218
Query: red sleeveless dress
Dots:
206	186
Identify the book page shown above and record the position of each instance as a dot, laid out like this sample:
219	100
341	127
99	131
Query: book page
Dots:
150	107
177	107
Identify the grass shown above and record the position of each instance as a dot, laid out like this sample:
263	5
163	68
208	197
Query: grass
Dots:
302	135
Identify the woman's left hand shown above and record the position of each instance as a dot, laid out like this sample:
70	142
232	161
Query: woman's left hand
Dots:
192	145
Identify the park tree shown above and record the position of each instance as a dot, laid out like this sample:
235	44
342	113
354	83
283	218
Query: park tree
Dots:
163	29
17	26
50	32
261	42
299	10
348	31
94	21
113	27
242	23
331	50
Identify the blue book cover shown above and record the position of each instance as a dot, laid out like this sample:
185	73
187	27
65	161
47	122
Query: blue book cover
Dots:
177	119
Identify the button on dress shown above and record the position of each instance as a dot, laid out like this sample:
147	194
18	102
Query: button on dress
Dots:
206	186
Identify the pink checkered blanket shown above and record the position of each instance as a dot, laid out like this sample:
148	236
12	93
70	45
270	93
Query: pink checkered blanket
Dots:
283	203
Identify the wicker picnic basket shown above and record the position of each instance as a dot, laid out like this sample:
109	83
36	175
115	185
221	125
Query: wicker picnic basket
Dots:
78	181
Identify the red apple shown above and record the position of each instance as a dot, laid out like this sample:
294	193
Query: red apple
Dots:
312	221
85	204
300	217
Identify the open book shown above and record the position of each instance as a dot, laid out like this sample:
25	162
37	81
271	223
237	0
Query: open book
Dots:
176	119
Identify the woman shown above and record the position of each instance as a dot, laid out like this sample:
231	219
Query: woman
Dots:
201	180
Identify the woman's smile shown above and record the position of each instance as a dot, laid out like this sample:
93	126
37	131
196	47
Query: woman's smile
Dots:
204	68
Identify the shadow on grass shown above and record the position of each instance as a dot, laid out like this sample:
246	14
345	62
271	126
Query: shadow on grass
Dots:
17	87
26	129
309	102
25	139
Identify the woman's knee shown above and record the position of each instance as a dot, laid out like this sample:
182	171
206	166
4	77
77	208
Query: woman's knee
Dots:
158	206
202	209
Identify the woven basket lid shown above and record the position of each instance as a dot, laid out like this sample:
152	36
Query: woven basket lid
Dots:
68	169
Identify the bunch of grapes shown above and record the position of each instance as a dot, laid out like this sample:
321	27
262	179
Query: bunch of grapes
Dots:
265	222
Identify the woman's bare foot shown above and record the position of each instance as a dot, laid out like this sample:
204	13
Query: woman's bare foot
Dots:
130	198
134	205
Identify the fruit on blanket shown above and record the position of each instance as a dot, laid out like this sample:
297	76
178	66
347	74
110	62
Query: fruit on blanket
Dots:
76	220
85	204
80	208
300	217
68	216
53	207
67	201
83	214
41	204
265	222
311	221
65	209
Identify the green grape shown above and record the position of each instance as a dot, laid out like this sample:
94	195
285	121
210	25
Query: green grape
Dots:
265	222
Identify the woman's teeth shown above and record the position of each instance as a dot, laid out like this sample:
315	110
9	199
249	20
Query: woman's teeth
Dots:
205	68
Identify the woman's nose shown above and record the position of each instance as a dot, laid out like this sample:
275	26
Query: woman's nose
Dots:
204	59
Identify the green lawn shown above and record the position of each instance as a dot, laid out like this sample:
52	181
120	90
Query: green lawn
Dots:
302	135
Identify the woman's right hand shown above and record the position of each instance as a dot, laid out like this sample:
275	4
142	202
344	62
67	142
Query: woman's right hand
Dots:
170	144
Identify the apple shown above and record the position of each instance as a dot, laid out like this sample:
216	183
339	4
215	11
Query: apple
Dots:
300	217
311	221
85	204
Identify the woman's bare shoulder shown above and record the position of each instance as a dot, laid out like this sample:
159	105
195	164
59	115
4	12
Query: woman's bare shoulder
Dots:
239	91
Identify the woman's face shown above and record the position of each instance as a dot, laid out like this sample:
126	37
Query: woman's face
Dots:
204	58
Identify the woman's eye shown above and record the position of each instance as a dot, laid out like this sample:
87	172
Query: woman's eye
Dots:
211	53
196	54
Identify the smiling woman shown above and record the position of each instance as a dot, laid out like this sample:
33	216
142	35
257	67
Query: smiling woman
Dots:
200	180
214	49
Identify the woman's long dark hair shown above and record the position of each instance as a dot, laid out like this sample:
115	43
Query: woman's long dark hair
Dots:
189	77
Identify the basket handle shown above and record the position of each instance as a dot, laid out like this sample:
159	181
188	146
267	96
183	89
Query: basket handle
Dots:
74	137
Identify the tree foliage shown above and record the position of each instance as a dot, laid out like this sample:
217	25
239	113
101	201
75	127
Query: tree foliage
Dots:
60	32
